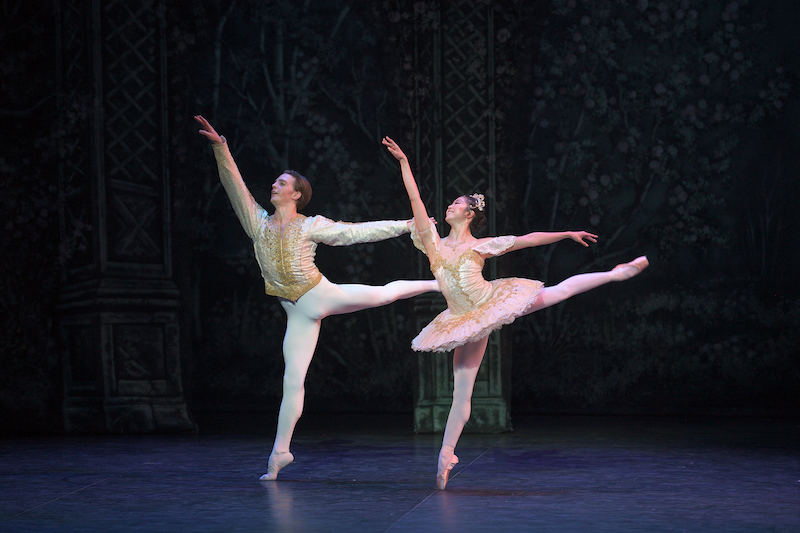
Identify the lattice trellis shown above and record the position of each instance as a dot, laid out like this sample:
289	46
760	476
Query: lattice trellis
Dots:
133	142
455	155
131	93
122	140
455	137
467	102
135	220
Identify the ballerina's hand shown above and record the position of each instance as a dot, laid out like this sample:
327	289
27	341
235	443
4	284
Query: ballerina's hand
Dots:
208	130
582	237
393	148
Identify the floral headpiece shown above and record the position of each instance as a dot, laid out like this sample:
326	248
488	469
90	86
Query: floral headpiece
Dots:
479	199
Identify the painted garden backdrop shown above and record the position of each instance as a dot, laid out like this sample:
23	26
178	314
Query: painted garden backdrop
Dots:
668	128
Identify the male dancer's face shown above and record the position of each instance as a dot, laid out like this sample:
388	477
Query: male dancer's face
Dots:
283	192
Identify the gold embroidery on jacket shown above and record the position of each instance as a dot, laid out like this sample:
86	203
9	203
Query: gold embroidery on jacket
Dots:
284	250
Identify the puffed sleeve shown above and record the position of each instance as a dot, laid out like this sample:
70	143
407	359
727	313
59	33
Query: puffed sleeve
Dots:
496	246
417	240
246	208
326	231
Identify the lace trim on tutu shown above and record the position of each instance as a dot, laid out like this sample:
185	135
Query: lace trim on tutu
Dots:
511	298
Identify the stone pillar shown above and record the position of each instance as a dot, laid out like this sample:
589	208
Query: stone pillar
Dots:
455	150
119	303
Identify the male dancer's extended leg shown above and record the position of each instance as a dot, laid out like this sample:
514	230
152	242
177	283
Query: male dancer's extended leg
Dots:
299	344
466	363
303	319
302	331
328	299
341	299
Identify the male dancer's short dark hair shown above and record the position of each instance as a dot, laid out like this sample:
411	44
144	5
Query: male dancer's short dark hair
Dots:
302	186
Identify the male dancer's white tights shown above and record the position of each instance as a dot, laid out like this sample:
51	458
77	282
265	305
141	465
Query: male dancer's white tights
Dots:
302	331
468	357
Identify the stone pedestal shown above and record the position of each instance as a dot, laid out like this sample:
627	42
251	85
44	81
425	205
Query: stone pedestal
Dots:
121	359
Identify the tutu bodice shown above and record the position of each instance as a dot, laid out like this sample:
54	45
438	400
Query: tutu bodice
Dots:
461	281
475	306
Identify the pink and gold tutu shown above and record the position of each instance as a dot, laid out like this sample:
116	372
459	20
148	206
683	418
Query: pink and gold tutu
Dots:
475	306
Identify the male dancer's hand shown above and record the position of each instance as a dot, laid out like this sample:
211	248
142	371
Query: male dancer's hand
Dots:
208	131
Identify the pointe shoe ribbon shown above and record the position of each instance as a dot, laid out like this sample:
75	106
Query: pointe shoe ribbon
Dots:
446	464
628	270
277	461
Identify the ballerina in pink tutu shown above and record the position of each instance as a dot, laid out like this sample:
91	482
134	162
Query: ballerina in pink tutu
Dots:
475	306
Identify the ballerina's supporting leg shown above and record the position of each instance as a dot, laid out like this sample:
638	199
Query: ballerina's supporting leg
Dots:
466	363
585	282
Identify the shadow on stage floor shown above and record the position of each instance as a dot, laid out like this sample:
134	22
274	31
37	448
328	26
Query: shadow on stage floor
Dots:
370	473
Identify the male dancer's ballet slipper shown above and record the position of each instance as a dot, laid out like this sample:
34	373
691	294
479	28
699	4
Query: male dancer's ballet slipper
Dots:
447	460
277	461
628	270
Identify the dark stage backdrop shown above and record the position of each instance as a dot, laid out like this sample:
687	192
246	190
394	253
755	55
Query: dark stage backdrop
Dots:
668	128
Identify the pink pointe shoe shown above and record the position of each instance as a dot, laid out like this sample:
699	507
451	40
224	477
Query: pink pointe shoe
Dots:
447	460
277	461
628	270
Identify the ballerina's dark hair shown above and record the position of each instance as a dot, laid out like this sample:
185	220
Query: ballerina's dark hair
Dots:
477	204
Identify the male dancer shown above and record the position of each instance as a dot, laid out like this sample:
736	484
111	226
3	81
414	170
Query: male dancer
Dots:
285	244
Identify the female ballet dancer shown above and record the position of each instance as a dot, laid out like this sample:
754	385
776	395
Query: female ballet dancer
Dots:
476	307
285	244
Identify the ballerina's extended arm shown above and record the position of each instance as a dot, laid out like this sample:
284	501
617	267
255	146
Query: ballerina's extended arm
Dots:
541	238
421	219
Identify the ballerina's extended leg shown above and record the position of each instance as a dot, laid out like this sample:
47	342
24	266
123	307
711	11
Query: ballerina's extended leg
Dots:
628	270
584	282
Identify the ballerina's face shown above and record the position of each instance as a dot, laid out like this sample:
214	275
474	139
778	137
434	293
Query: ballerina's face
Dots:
283	191
458	210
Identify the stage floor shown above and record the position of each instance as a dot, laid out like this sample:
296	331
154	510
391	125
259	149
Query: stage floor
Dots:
368	473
